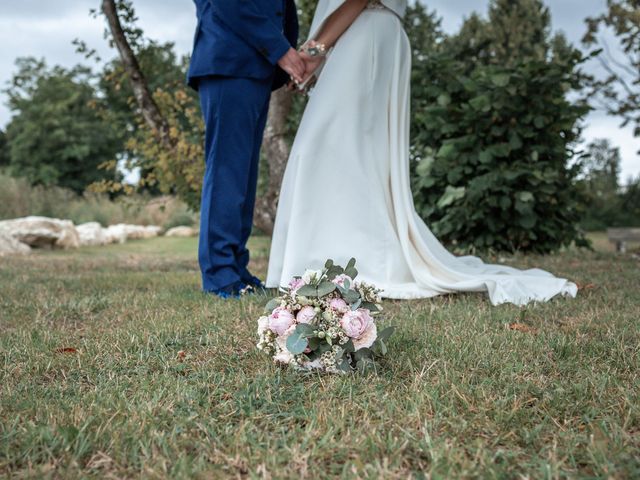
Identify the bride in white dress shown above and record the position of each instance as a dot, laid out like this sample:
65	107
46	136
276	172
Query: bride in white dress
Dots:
346	190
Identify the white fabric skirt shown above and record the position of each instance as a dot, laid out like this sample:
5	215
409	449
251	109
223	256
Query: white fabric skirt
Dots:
346	190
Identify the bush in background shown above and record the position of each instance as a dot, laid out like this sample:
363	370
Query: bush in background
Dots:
19	199
494	151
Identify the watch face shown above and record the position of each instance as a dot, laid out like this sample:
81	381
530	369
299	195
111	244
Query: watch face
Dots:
313	51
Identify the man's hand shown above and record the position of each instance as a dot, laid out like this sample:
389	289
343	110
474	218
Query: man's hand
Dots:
293	65
311	64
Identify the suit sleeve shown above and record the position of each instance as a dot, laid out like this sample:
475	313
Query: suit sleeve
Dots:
245	19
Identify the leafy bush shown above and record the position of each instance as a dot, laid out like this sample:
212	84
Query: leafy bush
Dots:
493	150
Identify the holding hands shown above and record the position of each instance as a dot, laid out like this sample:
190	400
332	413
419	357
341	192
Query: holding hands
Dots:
312	55
293	64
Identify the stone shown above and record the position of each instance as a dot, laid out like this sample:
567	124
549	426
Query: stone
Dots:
181	232
115	234
122	232
42	232
92	234
10	246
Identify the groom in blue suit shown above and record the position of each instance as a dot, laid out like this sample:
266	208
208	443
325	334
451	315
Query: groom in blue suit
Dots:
243	49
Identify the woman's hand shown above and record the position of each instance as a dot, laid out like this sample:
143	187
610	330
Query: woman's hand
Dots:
311	64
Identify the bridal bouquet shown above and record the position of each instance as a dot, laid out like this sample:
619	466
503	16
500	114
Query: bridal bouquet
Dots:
325	320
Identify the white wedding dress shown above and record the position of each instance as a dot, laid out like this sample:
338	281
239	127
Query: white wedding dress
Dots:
346	190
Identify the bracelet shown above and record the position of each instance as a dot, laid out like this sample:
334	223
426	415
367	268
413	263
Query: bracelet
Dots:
315	49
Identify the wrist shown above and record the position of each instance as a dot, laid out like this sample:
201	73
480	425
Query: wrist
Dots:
314	48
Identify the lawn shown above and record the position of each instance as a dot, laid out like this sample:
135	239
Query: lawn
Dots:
114	365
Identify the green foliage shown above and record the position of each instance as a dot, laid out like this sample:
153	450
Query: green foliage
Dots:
630	203
56	136
493	150
4	150
164	72
599	183
492	130
620	89
514	30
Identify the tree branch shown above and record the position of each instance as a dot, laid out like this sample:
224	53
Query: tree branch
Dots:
148	107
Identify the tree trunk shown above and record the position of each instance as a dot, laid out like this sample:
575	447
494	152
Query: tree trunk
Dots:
148	107
276	152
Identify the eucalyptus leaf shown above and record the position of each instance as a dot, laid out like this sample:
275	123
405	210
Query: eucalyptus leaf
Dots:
379	347
365	366
325	288
344	366
349	347
296	343
272	305
362	353
386	333
351	272
307	291
305	330
351	296
334	271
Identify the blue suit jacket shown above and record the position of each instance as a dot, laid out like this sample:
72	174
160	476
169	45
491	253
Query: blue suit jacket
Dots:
243	38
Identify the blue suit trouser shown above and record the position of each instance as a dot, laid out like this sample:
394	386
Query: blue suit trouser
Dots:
235	114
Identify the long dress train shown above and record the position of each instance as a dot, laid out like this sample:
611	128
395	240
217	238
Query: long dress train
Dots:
346	190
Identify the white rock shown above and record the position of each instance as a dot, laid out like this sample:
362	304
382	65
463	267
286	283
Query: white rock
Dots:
122	232
92	234
115	233
11	246
42	232
181	232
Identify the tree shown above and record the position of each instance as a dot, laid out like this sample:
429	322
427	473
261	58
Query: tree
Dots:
515	30
56	136
630	203
619	92
493	132
4	150
600	184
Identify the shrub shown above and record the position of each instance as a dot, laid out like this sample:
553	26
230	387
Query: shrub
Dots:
493	151
19	199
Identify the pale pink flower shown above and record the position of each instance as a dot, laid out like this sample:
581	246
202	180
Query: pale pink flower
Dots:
306	315
284	355
360	327
280	320
316	364
339	305
341	279
263	324
295	284
311	275
367	338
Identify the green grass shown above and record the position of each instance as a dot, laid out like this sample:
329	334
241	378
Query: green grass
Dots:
461	396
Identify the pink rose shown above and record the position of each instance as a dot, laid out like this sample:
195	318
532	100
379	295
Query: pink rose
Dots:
295	284
339	305
280	320
283	355
306	315
360	327
341	279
